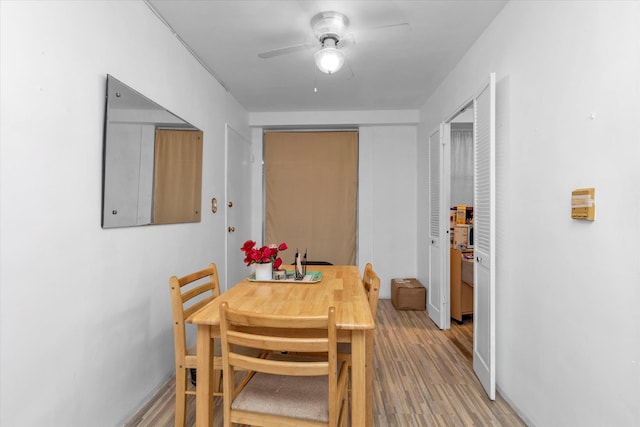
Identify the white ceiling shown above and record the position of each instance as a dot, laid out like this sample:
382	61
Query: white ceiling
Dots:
386	69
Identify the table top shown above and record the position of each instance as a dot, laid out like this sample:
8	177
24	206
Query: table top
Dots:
340	287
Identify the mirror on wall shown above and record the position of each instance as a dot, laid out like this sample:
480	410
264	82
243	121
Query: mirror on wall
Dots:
152	162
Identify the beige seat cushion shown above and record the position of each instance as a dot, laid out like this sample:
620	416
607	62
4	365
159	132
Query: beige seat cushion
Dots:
303	397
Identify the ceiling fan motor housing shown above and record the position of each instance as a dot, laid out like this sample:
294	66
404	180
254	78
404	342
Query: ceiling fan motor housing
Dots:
329	25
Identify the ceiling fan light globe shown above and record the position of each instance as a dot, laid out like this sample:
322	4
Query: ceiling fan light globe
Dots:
329	60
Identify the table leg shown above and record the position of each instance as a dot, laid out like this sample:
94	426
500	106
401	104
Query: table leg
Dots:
369	378
204	387
361	410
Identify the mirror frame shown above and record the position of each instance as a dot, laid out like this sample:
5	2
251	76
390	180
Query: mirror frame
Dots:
130	183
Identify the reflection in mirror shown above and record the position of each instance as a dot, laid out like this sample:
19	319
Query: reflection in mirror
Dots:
152	162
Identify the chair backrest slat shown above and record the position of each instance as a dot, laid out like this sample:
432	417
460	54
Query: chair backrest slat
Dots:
277	342
240	318
305	369
371	283
189	294
197	306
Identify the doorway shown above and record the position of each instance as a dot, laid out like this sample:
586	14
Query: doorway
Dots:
483	240
461	202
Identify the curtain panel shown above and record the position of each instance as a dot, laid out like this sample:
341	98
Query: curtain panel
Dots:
311	183
462	167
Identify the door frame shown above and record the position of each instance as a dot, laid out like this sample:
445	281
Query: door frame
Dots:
487	374
445	202
446	190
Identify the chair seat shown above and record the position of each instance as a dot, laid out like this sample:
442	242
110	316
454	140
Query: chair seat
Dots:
303	397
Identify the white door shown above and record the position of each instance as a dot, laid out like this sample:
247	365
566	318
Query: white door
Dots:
484	342
438	250
238	204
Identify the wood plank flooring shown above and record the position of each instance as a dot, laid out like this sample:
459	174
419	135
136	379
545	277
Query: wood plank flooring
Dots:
422	377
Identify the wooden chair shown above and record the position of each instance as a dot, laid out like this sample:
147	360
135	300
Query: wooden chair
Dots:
284	390
371	283
189	294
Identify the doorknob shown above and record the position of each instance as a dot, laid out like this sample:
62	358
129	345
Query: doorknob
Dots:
231	229
230	204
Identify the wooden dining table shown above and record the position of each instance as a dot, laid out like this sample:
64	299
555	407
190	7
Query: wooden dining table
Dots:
340	287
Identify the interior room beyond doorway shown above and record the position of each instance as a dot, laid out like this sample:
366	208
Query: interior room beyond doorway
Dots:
461	216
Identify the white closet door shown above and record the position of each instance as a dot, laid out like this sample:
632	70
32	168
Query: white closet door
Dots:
484	234
438	250
237	204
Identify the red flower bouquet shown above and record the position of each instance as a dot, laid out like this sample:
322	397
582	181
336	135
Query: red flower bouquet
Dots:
263	255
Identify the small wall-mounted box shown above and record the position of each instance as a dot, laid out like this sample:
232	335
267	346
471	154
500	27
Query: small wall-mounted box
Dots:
583	204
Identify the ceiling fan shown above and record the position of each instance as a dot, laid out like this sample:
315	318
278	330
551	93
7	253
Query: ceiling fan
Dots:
330	29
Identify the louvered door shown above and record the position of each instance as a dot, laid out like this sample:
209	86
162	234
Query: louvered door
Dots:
438	249
484	234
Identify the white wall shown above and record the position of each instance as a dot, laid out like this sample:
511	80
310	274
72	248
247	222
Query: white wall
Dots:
564	357
85	315
387	206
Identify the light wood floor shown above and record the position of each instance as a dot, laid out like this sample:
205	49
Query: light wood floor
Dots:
422	377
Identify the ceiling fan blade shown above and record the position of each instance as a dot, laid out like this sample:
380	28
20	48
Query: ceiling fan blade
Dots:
404	26
388	30
285	50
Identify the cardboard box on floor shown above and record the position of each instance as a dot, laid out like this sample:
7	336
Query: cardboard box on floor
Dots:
408	294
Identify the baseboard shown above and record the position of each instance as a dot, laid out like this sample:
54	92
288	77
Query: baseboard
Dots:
134	419
515	407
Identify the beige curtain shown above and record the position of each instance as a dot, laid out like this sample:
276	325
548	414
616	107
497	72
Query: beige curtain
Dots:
311	182
177	185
